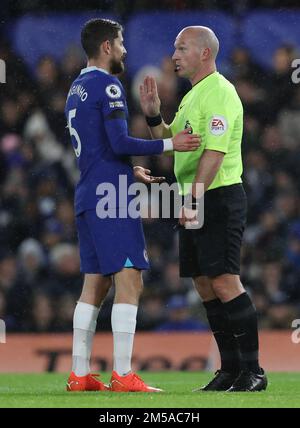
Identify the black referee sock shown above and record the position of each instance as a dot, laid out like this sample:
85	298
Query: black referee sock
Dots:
243	321
227	344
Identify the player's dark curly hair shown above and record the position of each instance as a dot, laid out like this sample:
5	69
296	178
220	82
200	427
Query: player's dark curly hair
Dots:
97	31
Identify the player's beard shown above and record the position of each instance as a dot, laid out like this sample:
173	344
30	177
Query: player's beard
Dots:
116	66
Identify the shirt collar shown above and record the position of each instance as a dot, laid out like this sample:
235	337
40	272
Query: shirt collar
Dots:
206	78
93	68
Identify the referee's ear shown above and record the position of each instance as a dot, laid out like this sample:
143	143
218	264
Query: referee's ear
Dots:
206	54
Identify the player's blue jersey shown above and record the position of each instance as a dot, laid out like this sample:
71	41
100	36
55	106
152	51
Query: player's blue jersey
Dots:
92	97
97	116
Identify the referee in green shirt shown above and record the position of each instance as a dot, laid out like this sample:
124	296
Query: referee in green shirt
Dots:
211	254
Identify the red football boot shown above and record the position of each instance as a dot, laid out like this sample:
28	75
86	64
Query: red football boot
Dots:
130	383
85	383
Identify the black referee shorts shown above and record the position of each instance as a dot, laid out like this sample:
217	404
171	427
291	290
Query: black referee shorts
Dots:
215	248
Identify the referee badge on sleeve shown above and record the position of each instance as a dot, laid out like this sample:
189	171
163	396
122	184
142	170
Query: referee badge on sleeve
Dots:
218	125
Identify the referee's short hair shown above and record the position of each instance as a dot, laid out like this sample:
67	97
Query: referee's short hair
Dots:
97	31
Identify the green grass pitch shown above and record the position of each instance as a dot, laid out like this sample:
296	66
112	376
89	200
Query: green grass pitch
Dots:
47	390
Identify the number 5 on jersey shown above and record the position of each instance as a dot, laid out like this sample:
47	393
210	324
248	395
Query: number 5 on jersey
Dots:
73	132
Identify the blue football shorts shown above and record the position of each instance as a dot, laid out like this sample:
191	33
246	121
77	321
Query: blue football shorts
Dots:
108	245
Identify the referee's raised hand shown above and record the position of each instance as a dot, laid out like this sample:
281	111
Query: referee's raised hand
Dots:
149	99
186	142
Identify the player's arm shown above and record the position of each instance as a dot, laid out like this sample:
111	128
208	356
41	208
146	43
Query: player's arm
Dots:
123	144
217	136
113	107
208	167
219	121
217	141
150	104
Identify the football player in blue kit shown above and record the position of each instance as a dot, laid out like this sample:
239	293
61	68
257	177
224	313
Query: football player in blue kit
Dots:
111	248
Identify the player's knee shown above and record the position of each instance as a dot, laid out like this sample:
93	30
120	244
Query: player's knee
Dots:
129	292
95	289
226	286
220	285
204	288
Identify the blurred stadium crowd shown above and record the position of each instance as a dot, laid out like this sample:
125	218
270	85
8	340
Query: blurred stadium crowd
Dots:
39	264
127	7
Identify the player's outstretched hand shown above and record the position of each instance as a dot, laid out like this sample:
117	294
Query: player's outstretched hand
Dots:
150	102
143	175
186	142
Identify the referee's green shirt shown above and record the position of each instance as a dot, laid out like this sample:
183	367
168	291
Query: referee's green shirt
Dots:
213	109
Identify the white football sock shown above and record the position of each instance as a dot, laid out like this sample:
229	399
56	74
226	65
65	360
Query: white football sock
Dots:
123	322
84	326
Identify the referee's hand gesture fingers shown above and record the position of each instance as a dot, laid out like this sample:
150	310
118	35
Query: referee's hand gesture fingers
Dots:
149	99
